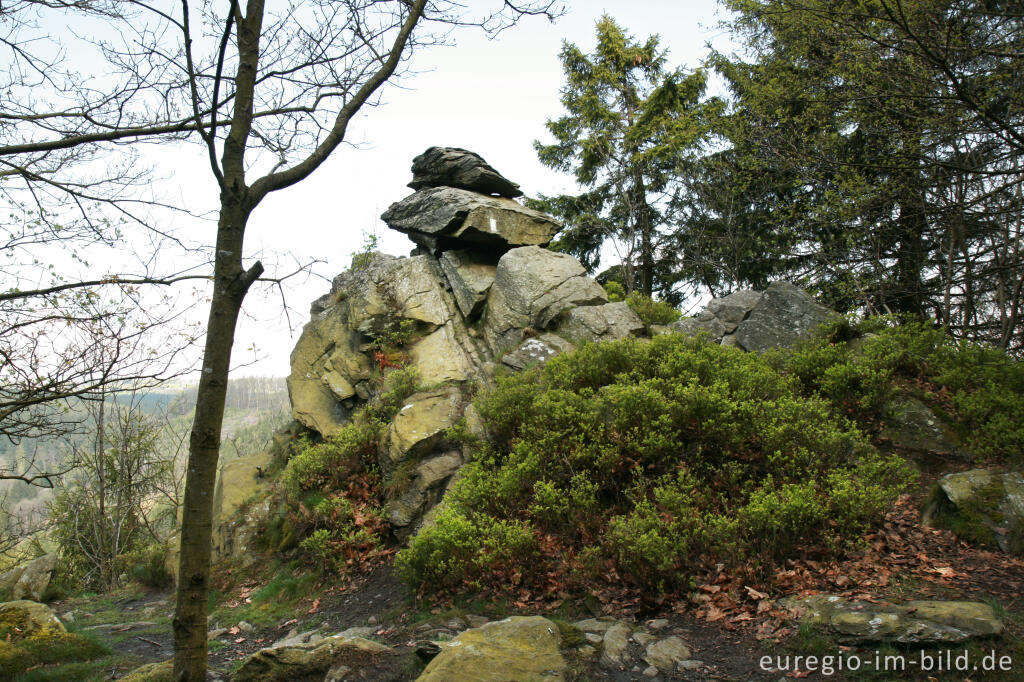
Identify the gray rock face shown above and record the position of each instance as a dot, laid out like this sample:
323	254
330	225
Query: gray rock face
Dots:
531	288
600	322
988	503
780	316
536	351
470	275
441	218
454	167
784	315
427	480
915	622
911	426
28	580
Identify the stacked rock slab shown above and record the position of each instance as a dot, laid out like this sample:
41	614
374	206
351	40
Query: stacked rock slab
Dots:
480	291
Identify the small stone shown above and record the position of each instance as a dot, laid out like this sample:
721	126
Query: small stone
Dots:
476	621
456	624
338	673
594	625
357	632
658	624
245	626
616	644
650	671
643	638
372	620
214	634
593	637
666	653
692	664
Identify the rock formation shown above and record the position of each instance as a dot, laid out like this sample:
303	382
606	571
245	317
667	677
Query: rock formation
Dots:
479	292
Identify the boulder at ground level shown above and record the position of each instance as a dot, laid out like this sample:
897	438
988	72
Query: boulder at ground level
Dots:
524	649
982	506
30	617
152	672
28	580
915	622
287	663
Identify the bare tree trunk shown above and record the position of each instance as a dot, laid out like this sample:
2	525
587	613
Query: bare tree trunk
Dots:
231	283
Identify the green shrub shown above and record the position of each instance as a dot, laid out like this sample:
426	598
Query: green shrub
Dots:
650	311
148	565
654	456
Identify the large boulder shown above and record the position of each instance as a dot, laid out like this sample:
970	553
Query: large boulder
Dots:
454	167
28	580
982	506
310	661
915	622
781	315
525	649
426	483
912	427
29	618
441	218
606	322
531	288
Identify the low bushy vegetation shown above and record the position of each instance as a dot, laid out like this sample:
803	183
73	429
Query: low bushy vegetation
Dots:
650	311
24	647
977	390
639	462
332	492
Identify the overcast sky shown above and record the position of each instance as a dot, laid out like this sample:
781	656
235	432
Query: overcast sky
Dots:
492	97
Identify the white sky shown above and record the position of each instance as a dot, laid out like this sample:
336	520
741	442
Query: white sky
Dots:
492	97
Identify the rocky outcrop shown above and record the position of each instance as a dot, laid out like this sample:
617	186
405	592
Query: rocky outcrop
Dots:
485	293
915	622
779	316
982	506
28	580
518	648
479	294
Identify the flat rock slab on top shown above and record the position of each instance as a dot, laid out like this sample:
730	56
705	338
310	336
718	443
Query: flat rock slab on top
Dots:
454	167
441	218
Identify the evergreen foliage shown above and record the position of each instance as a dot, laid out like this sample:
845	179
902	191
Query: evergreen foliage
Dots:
632	123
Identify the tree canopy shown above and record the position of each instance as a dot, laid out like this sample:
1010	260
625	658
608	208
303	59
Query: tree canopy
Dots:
631	126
